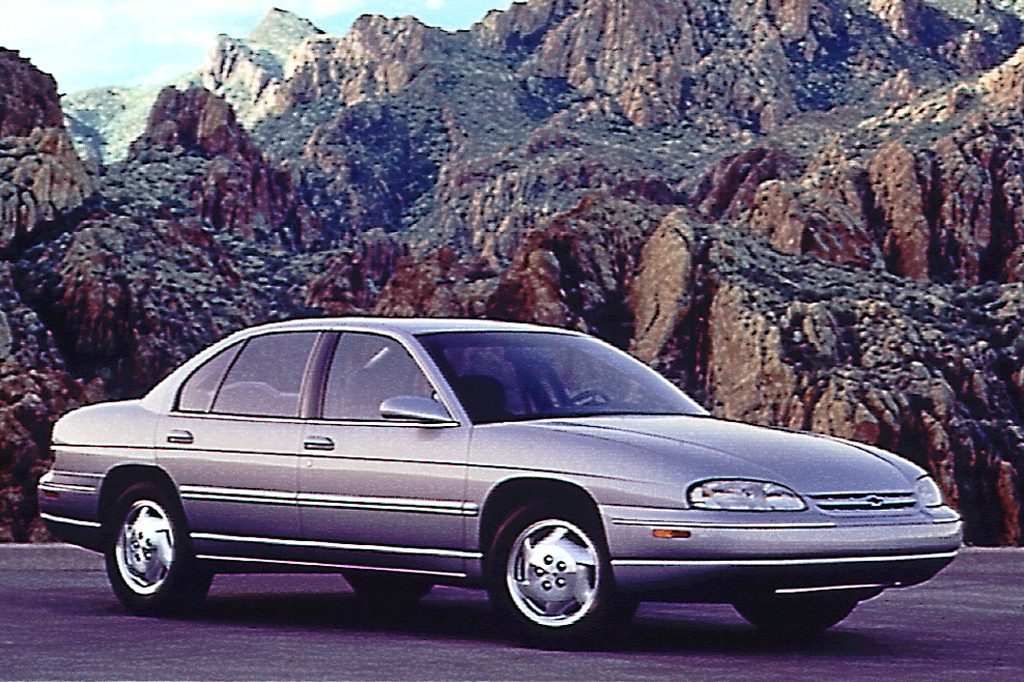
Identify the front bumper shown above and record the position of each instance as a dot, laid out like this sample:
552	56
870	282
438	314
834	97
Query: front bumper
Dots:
722	558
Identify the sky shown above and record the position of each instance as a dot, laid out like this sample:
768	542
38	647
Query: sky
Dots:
98	43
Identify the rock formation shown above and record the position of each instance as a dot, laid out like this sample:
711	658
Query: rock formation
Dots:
42	183
247	71
41	177
232	184
807	213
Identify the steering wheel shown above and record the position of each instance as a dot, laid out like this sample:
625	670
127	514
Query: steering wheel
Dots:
590	396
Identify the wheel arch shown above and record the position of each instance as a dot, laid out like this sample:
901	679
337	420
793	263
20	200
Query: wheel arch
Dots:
512	493
118	479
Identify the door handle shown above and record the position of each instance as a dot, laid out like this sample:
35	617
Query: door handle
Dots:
180	436
318	443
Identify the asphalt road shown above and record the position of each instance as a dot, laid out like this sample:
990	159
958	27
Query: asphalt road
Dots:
59	620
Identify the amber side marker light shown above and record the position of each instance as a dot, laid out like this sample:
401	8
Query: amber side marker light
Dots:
51	494
670	533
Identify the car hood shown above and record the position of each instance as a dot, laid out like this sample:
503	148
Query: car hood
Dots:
705	447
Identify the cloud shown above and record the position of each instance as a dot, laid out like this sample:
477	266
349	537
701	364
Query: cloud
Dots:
91	43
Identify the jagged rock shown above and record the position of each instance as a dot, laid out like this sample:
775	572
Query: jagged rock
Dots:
374	163
196	120
634	53
801	220
35	389
1004	85
914	368
669	301
901	193
902	87
972	40
437	284
731	183
246	72
28	97
103	122
236	188
41	177
952	209
129	300
523	26
932	187
376	57
904	17
352	279
41	180
805	212
573	271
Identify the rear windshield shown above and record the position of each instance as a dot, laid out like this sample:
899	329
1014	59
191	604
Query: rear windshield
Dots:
508	376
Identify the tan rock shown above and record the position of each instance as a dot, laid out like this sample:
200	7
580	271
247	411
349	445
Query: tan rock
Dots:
899	192
662	294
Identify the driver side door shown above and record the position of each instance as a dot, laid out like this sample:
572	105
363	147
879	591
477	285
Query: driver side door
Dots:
377	492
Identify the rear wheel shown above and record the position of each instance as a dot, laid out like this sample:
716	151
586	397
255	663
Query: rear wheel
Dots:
796	615
150	562
548	569
388	589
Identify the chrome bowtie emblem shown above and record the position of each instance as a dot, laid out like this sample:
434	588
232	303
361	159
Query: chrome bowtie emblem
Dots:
875	500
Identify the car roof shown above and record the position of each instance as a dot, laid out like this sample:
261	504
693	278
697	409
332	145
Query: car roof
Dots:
408	325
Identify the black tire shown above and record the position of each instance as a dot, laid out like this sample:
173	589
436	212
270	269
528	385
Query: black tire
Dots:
574	576
387	589
792	616
624	609
150	561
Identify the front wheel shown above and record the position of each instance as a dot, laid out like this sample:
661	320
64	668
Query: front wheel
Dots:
549	570
796	615
150	563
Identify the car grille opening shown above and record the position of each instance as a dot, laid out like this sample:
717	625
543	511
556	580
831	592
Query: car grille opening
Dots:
864	502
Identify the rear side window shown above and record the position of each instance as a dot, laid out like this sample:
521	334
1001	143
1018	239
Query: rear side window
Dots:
367	370
200	388
266	379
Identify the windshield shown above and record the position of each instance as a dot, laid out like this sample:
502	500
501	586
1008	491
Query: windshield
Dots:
506	376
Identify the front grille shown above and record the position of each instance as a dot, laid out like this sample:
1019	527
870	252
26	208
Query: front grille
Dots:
864	502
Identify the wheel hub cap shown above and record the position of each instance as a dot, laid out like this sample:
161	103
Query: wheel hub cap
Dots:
145	547
553	573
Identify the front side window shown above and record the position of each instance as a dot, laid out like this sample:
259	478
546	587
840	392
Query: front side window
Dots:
266	379
367	370
503	376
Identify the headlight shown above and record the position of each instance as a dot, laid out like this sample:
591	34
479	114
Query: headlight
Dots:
928	492
739	495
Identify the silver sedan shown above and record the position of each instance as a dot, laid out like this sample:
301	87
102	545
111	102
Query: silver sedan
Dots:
566	478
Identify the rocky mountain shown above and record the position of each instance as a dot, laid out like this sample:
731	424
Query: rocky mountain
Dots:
43	187
807	213
105	121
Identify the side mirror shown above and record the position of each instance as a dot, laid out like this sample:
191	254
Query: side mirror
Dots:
414	408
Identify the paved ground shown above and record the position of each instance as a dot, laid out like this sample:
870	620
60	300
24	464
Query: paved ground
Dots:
60	621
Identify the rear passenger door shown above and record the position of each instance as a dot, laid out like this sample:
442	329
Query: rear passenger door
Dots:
376	492
233	441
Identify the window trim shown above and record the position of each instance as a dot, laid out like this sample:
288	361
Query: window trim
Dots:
319	368
318	415
313	389
176	406
419	337
245	344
